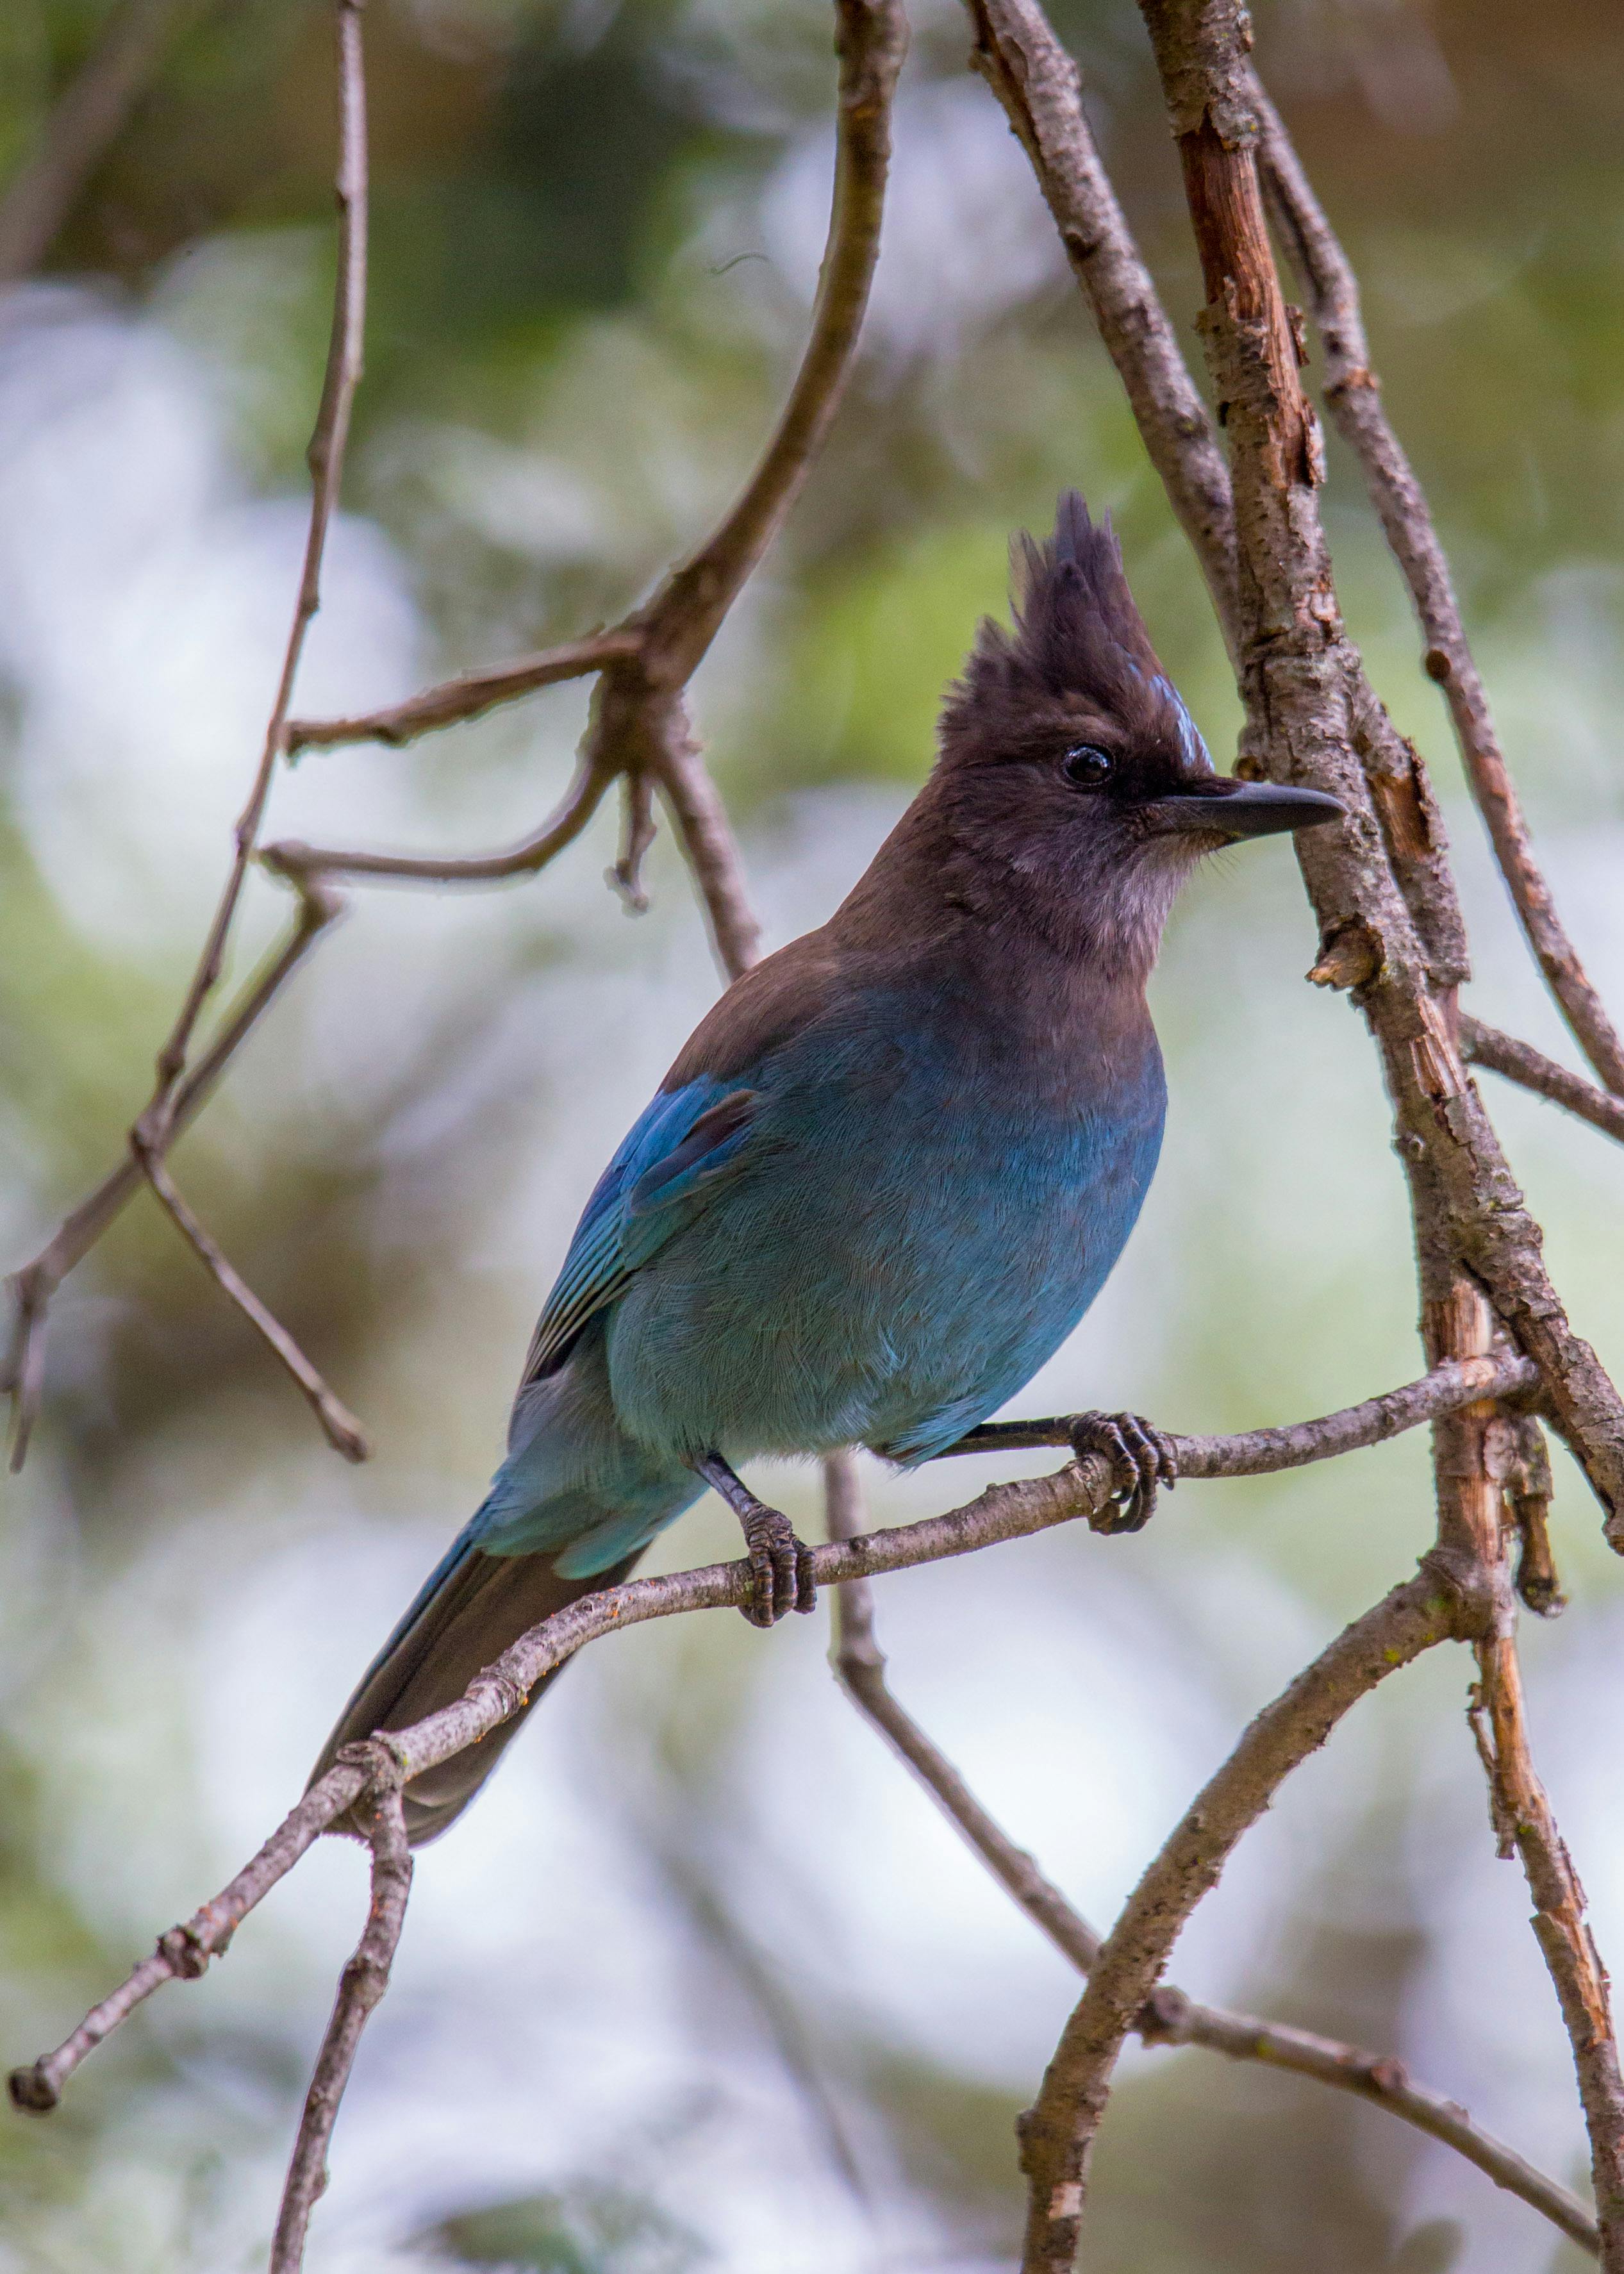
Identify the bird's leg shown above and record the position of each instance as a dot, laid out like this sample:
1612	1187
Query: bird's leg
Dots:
780	1564
1141	1454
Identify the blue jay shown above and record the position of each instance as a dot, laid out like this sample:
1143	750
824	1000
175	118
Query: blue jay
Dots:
891	1168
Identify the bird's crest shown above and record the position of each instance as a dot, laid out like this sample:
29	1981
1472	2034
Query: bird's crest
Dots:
1078	643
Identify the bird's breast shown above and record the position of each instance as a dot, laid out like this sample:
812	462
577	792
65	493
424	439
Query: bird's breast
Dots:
923	1215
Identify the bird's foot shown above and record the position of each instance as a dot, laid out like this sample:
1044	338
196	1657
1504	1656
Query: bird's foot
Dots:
780	1564
1142	1456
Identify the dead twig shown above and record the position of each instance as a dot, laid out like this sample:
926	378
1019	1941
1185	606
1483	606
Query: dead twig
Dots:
339	1425
361	1986
454	701
1520	1062
22	1371
1169	2017
155	1128
1353	395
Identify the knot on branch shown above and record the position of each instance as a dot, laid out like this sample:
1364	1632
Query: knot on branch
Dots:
1165	2017
1471	1590
381	1760
32	2090
184	1954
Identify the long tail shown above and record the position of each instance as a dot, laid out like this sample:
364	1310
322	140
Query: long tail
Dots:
471	1608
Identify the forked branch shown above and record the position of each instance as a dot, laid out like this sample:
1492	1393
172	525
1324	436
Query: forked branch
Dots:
1168	2017
1353	395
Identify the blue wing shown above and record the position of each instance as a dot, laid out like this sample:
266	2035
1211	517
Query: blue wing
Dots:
673	1156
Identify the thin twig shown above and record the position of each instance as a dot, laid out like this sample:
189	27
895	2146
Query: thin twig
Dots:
1260	1452
155	1128
1520	1062
325	457
81	130
580	801
1036	81
1015	1511
1560	1927
1352	392
339	1425
33	1286
1169	2017
471	695
361	1986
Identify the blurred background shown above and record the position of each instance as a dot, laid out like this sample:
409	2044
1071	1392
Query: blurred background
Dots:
704	1982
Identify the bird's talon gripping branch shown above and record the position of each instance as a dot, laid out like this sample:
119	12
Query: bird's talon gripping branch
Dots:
1143	1457
780	1564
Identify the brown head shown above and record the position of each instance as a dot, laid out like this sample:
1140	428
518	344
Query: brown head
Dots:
1071	770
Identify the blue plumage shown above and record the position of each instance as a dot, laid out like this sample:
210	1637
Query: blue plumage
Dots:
892	1168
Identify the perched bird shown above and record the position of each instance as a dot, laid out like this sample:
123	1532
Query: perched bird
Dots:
891	1168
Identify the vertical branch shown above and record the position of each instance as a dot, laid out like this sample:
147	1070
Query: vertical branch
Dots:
1353	395
1036	81
362	1982
325	459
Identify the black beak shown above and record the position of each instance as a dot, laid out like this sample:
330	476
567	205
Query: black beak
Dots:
1226	807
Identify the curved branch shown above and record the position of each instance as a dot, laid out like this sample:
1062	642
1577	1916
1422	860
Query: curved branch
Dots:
1352	394
683	617
1058	2132
580	801
1520	1062
1169	2017
467	697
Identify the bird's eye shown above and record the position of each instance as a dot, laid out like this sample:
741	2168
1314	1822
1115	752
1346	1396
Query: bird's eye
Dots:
1087	767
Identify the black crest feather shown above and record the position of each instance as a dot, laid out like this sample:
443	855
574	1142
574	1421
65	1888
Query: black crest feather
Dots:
1077	639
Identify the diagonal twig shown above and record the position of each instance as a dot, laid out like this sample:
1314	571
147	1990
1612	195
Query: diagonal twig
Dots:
1353	396
1058	2133
339	1425
155	1128
1083	1489
467	697
1168	2017
32	1287
1520	1062
361	1986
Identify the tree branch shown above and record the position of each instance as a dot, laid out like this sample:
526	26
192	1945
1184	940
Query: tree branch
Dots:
1058	2134
1520	1062
1036	81
1352	392
362	1982
155	1128
1260	1452
1168	2017
469	697
32	1287
1008	1511
339	1425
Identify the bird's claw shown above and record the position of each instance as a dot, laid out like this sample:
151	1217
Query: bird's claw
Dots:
1142	1457
780	1567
